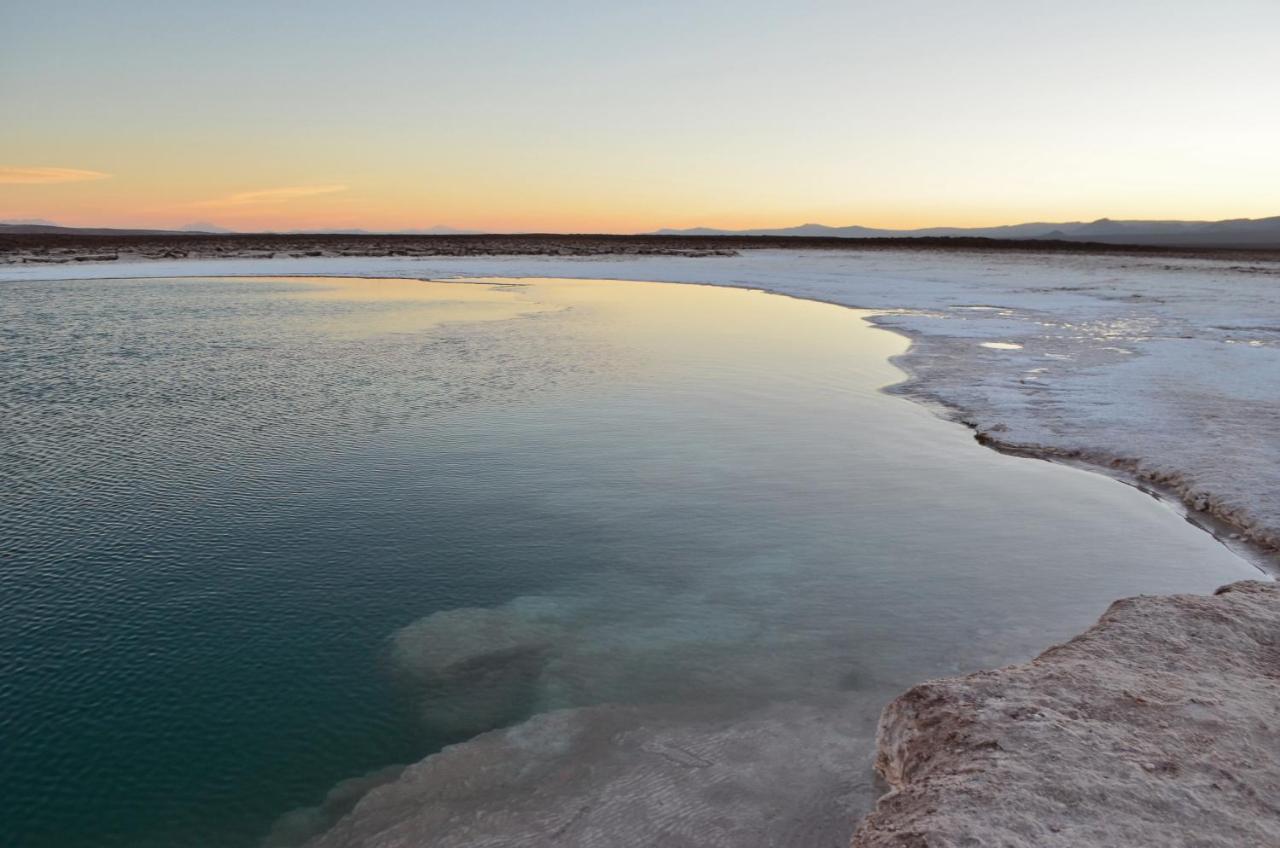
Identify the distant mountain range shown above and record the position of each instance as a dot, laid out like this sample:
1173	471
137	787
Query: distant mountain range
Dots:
1238	232
41	227
28	222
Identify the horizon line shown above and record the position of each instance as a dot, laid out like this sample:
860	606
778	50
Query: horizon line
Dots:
209	227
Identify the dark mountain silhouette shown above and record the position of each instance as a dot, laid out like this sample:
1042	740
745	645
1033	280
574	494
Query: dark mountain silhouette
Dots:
1239	232
54	229
27	222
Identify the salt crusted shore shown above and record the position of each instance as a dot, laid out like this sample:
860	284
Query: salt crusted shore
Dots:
1159	726
702	776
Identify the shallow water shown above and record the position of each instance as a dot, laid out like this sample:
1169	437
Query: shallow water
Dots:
236	510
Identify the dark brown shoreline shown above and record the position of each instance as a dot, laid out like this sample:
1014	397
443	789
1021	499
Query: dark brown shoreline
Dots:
56	248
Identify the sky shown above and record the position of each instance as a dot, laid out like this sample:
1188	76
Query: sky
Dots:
627	117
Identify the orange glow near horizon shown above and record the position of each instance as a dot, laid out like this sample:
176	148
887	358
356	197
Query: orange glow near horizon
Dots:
121	202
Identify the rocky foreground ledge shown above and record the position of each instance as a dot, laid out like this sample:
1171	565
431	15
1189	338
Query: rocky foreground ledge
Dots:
1159	726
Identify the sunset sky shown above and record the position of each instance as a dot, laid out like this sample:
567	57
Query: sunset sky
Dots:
589	116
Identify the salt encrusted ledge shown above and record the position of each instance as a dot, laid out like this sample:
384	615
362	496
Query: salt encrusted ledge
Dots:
1231	514
1159	726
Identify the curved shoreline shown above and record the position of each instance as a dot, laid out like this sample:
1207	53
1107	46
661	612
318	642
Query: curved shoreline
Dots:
1166	486
1235	528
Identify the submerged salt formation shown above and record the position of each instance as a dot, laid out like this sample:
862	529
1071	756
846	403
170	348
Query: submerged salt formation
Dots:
1158	726
479	666
611	776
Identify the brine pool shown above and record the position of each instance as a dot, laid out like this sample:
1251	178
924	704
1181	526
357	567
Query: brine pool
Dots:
262	535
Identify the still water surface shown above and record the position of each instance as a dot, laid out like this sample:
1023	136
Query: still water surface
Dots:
244	519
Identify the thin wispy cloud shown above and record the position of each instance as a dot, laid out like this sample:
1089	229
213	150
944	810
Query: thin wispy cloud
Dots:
271	195
36	176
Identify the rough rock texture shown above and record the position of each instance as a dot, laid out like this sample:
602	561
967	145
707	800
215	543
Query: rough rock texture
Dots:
613	776
1159	726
